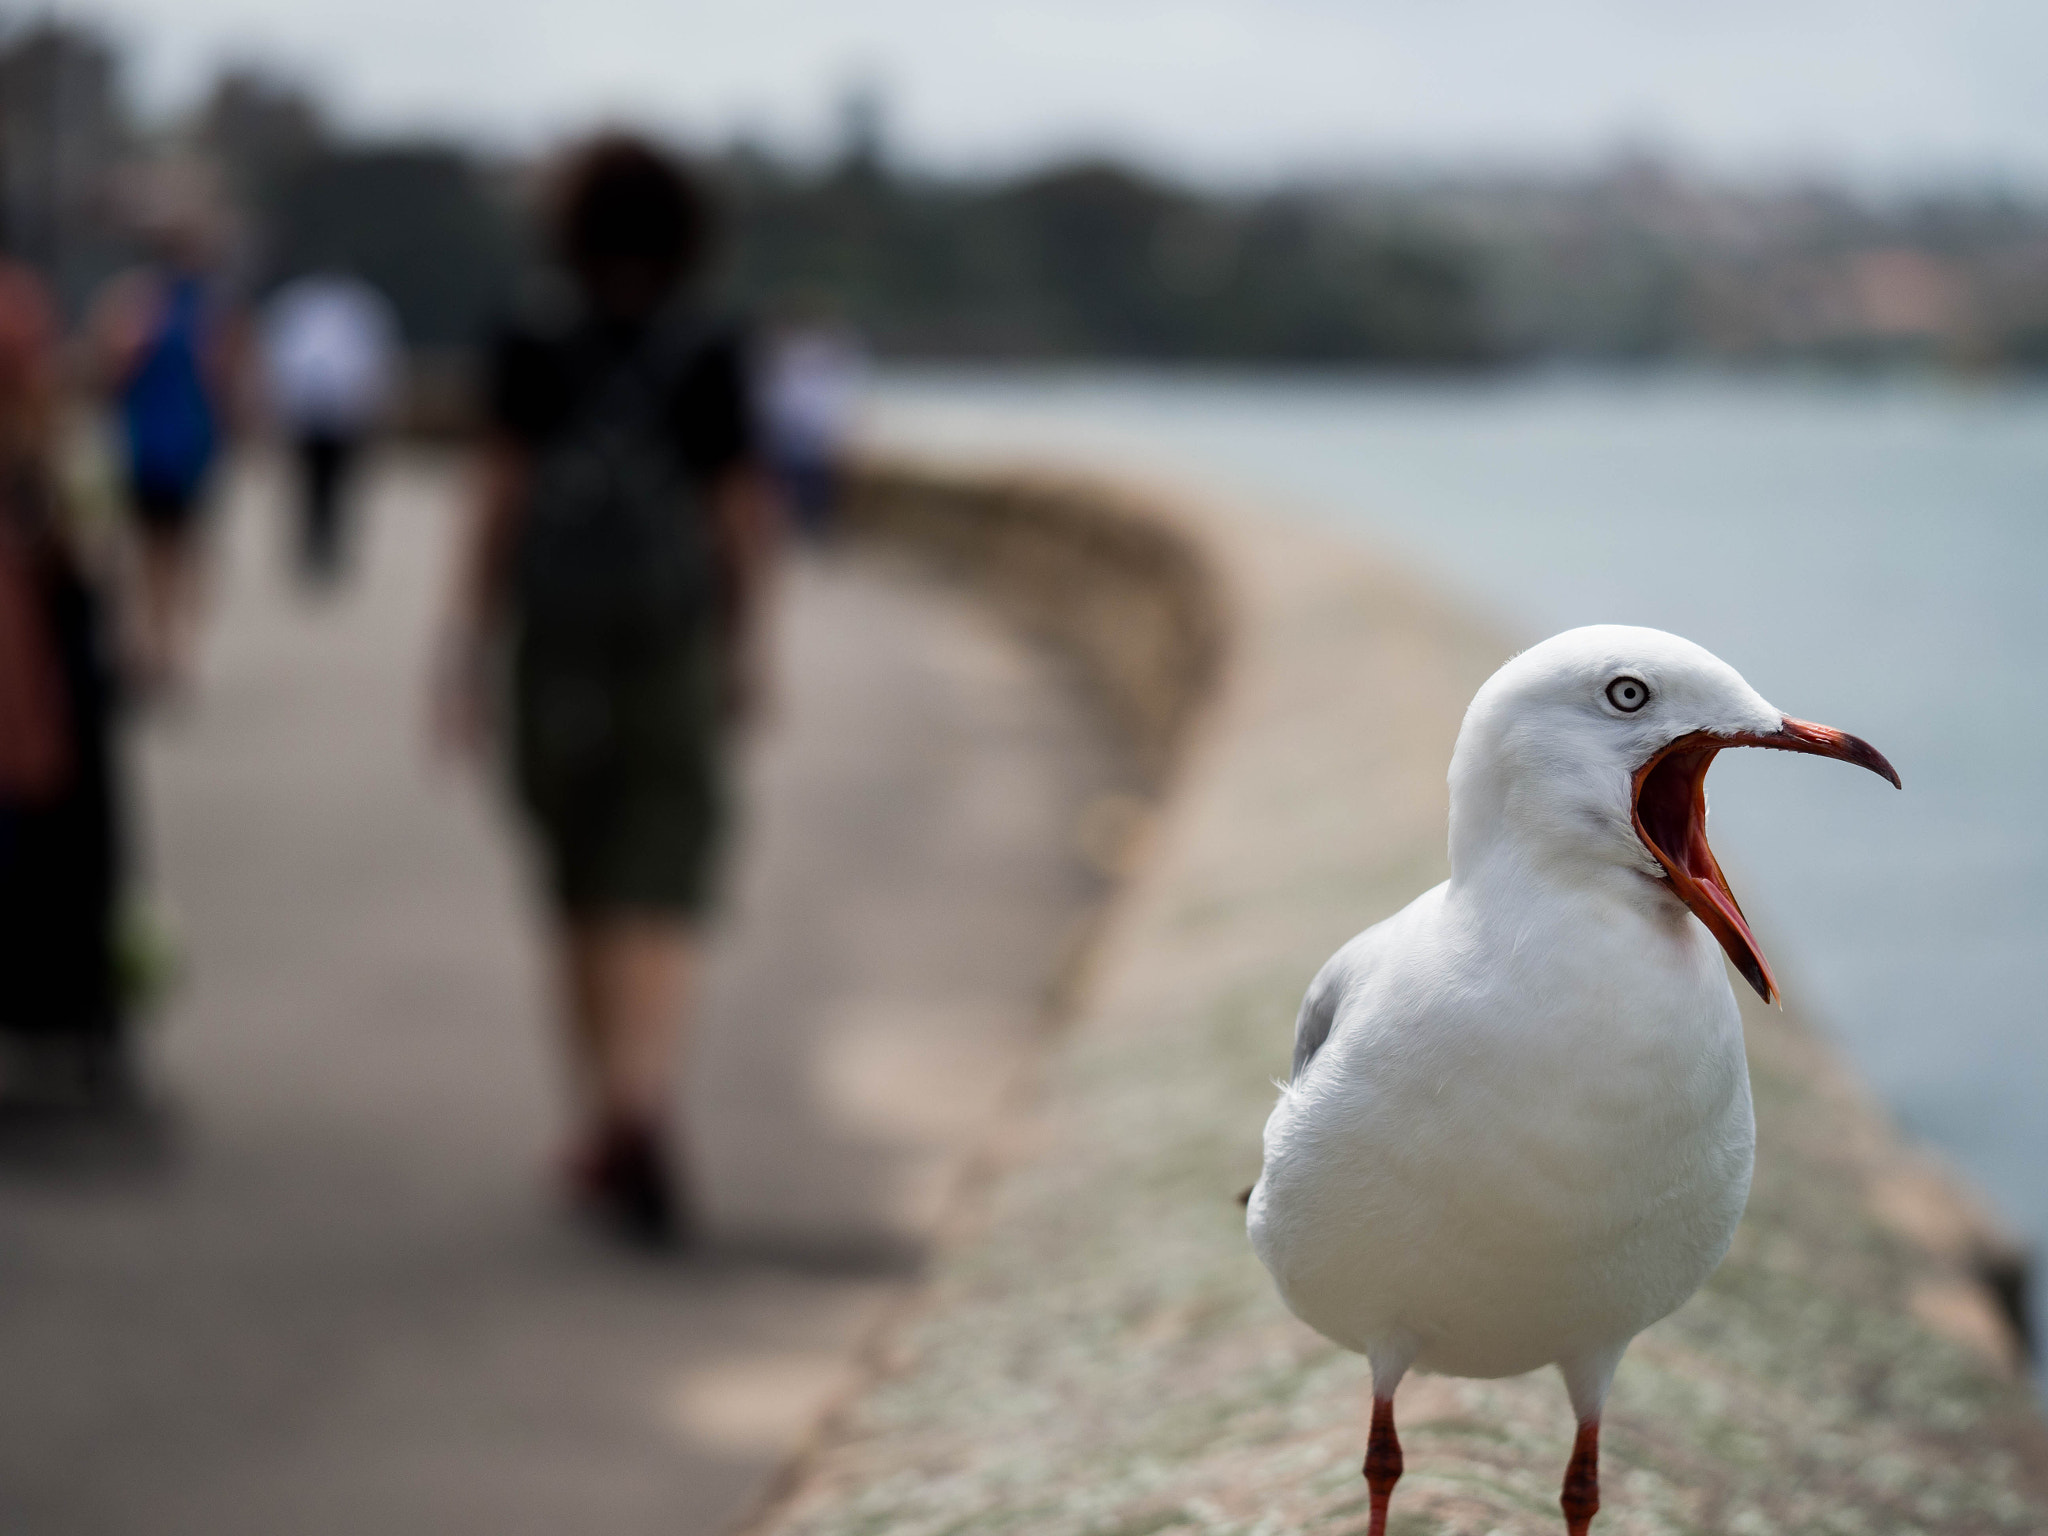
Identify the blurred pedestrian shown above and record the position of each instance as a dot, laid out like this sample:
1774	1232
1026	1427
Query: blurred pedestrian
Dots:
164	352
59	999
331	357
619	553
810	398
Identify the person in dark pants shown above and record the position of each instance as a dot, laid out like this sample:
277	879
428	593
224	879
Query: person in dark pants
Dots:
164	345
618	555
324	461
60	1006
810	398
330	348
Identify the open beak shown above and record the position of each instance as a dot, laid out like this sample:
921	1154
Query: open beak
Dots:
1670	806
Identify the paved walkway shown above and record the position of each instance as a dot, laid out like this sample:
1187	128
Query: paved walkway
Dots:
332	1294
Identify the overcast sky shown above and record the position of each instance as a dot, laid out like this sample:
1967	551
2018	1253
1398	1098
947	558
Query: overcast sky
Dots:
1881	89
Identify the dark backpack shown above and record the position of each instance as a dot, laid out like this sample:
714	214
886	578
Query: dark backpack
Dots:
615	547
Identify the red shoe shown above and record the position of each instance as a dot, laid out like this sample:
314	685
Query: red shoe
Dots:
623	1177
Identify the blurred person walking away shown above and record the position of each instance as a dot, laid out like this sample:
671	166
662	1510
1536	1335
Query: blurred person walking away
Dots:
331	358
810	399
164	349
621	541
60	1004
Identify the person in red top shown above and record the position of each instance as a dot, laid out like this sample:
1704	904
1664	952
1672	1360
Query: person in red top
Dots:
59	1004
34	730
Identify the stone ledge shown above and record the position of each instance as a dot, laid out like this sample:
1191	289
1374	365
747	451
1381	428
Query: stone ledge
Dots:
1102	573
1099	1354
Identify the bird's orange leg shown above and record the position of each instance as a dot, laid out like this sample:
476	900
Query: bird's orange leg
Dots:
1382	1462
1581	1497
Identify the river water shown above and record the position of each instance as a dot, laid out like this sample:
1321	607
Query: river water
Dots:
1873	555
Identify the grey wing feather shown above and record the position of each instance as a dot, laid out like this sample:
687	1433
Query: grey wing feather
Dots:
1318	1013
1340	978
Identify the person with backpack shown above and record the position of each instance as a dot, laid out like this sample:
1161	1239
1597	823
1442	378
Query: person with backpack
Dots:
616	566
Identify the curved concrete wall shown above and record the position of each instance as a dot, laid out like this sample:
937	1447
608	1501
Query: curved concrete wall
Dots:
1102	575
1099	1353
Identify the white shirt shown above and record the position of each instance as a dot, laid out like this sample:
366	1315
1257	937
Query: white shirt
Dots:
331	350
812	393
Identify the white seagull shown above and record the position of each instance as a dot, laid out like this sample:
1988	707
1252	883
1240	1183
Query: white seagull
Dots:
1518	1129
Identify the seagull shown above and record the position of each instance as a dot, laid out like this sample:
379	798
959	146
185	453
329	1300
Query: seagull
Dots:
1518	1130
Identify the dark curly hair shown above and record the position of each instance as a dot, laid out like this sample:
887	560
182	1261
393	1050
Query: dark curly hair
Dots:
627	211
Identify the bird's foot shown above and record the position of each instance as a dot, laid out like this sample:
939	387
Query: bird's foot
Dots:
1581	1496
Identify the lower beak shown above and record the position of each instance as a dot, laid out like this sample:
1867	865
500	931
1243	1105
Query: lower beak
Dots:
1670	810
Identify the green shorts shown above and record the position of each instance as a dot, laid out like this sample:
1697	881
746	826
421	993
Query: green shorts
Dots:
619	756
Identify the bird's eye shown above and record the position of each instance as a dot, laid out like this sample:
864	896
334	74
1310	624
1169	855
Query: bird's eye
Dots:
1628	694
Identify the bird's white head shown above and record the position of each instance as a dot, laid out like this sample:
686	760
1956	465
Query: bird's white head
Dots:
1588	755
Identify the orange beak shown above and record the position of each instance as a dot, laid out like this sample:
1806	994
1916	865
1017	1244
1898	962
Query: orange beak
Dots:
1670	809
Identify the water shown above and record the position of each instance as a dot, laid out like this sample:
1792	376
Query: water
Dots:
1870	555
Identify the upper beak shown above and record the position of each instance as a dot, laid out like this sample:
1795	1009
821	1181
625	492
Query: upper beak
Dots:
1670	811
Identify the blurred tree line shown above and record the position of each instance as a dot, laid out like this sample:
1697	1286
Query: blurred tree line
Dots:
439	231
1097	259
1087	260
1090	259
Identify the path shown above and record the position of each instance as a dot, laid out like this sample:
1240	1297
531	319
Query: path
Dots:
339	1300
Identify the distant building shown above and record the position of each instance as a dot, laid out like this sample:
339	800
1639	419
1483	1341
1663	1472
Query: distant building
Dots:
1908	295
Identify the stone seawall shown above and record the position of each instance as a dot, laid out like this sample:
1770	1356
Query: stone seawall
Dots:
1098	1353
1099	573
